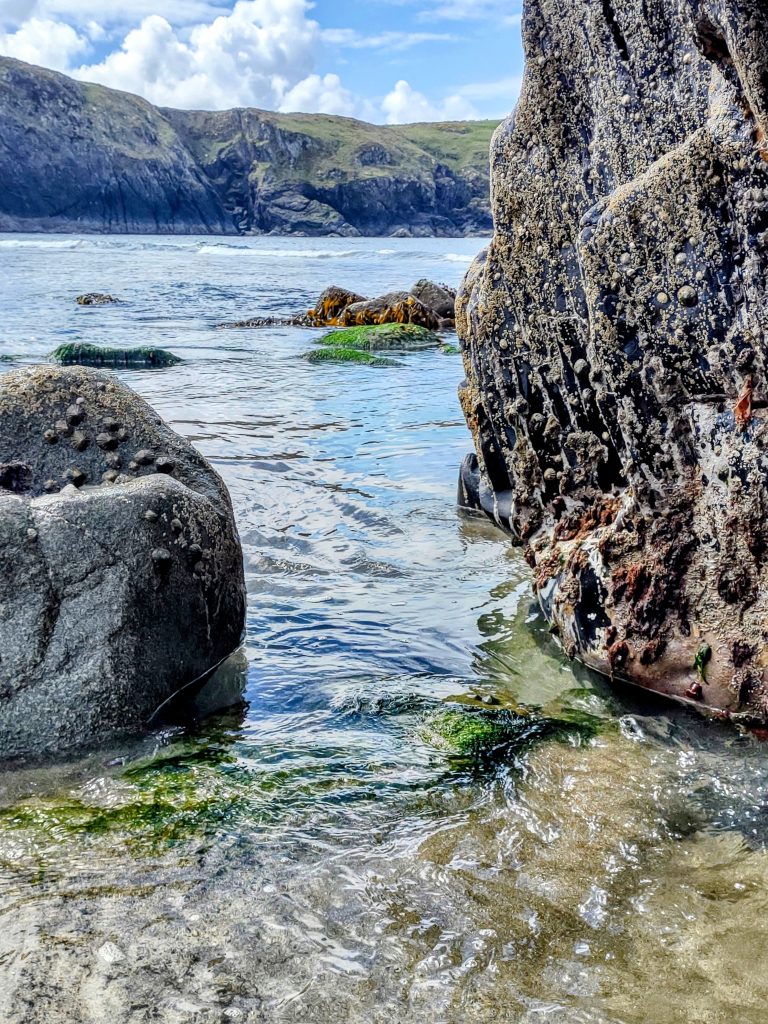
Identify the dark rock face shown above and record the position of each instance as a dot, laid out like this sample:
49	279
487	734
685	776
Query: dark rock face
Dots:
121	575
615	340
439	297
237	171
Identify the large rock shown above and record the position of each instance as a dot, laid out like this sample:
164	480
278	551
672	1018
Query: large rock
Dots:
121	573
439	297
392	308
615	340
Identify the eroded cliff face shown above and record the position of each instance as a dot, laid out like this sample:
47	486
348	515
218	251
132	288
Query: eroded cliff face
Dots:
615	333
81	157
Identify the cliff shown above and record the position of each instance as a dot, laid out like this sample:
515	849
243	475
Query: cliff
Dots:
616	343
81	157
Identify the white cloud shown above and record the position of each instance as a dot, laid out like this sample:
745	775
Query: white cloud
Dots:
353	40
472	10
321	94
127	12
40	41
259	53
404	105
253	56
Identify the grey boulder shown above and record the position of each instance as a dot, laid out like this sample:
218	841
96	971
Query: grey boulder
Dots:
121	572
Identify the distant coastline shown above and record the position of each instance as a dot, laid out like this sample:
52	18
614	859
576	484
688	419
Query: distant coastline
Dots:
86	159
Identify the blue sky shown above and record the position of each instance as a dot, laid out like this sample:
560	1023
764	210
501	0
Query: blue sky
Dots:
383	60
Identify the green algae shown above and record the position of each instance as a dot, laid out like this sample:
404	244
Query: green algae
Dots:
703	656
449	350
340	354
146	357
485	737
404	337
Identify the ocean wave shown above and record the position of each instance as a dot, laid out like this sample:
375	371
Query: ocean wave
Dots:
42	243
458	257
222	249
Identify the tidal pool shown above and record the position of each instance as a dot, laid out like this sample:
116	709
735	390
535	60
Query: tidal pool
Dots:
413	809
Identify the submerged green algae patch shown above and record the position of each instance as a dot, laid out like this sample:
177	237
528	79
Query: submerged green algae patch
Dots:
341	354
403	337
81	354
487	737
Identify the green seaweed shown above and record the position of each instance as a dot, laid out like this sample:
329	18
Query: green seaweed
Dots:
406	337
81	354
341	354
449	350
701	661
484	736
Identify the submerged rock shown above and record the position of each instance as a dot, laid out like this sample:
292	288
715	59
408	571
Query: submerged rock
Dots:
405	337
615	340
96	299
347	354
121	574
80	354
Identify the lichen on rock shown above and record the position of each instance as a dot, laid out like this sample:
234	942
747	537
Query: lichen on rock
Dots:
614	339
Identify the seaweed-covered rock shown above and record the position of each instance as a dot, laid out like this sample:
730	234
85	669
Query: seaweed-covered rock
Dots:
258	322
81	354
331	305
347	354
121	575
96	299
439	297
615	340
392	308
405	337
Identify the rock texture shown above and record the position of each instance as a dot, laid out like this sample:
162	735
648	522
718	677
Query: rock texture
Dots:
81	157
614	338
121	575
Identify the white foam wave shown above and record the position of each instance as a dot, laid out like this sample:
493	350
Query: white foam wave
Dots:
457	257
222	249
41	243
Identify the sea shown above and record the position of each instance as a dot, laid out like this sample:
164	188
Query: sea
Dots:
398	803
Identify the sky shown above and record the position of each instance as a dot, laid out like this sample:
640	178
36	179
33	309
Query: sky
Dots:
386	61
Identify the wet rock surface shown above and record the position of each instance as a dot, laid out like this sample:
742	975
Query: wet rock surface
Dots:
121	576
615	340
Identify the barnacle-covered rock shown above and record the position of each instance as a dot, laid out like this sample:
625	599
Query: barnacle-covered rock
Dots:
615	340
106	608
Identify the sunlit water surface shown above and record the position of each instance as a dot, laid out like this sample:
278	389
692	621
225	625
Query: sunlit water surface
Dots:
366	840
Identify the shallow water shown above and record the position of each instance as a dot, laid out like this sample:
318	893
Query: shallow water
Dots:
365	839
